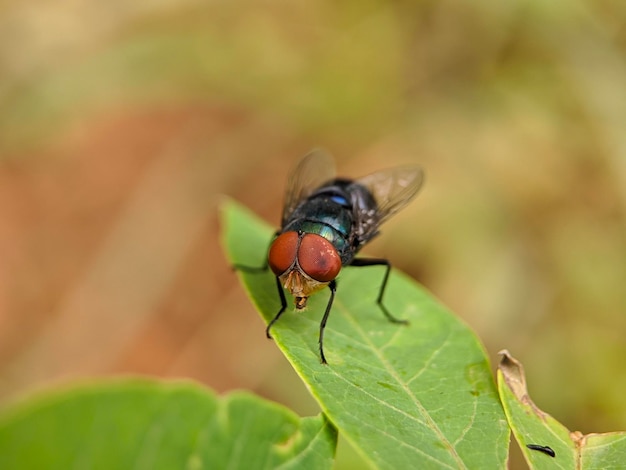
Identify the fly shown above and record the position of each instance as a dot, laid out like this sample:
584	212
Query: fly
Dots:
325	222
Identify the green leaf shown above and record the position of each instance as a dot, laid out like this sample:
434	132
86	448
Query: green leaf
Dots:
144	424
531	426
416	396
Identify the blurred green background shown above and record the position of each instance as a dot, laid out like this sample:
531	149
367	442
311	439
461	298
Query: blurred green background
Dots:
122	124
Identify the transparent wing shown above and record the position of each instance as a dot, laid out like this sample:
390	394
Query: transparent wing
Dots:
314	169
392	189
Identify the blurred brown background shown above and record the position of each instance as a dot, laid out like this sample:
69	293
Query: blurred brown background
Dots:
123	124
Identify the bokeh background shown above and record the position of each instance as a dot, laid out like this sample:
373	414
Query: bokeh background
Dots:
123	124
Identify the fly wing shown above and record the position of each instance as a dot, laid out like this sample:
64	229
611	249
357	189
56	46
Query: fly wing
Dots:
392	189
314	169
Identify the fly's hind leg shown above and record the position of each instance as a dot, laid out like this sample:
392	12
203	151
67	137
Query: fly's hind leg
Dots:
361	262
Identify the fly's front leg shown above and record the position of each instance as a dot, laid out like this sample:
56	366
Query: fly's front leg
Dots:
361	262
283	306
281	294
333	288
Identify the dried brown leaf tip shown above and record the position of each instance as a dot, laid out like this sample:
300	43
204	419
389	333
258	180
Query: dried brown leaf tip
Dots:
515	377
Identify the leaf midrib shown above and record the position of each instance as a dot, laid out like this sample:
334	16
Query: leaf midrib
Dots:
429	421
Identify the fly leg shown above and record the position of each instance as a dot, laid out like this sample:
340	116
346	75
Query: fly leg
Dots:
283	306
360	262
250	269
281	294
333	288
255	269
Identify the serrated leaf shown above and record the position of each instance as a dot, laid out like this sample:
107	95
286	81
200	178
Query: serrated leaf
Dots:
554	445
416	396
142	424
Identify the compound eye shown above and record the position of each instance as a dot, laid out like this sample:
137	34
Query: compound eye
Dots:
283	252
318	258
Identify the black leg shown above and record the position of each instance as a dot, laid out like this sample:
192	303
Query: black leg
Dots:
360	262
283	306
281	294
333	288
250	269
256	269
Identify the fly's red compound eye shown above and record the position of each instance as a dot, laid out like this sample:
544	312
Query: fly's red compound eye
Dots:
283	252
318	258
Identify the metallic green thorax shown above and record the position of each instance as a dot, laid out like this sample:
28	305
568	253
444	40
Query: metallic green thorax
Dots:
331	213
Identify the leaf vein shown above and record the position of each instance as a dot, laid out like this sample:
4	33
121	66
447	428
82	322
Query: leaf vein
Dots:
430	422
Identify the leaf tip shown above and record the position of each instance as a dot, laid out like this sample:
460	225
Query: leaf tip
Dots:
512	371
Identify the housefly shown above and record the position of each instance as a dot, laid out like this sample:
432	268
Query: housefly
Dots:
325	222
